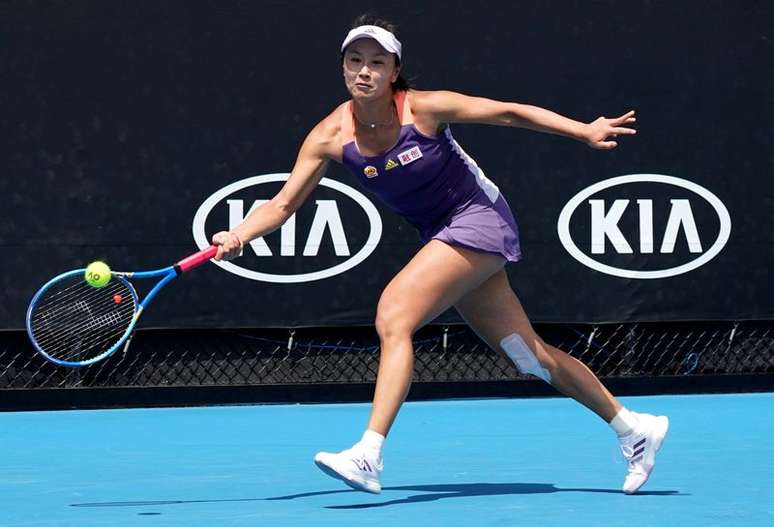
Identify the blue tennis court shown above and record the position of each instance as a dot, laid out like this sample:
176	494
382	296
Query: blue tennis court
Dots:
464	462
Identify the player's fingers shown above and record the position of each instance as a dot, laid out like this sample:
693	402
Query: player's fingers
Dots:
219	238
219	254
223	241
624	131
234	246
605	145
627	117
235	239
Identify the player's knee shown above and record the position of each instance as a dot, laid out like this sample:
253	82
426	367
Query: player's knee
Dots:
390	323
533	360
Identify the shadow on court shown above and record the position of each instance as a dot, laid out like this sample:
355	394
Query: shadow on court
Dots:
431	493
464	490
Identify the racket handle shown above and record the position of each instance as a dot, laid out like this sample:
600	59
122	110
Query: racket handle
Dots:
196	259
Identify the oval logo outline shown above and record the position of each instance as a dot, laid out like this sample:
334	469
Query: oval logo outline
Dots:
563	226
374	236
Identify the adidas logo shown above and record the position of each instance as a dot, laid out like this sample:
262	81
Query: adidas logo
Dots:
390	164
363	465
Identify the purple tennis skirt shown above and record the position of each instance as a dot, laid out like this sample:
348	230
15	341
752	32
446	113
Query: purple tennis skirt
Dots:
482	226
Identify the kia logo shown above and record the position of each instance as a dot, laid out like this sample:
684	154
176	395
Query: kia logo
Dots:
327	225
646	220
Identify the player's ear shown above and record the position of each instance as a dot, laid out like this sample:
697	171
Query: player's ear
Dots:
395	74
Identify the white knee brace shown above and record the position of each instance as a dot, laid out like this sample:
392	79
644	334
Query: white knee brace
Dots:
523	357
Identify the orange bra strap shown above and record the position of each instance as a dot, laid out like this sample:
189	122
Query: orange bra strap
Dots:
403	107
347	126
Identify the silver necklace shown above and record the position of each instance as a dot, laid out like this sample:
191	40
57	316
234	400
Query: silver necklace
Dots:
375	124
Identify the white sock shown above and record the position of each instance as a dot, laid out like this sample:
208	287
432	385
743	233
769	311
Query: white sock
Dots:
624	422
373	441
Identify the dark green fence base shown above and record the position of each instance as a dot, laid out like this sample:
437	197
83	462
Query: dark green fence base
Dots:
145	397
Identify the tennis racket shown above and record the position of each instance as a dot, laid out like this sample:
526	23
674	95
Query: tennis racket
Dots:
74	324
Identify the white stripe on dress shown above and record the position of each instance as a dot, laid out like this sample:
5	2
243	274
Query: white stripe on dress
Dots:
489	188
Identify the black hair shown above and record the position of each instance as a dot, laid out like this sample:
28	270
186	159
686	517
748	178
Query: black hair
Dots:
400	84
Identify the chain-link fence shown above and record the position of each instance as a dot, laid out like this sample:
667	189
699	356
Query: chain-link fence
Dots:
158	358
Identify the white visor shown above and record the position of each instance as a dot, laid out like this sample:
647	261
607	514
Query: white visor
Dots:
386	39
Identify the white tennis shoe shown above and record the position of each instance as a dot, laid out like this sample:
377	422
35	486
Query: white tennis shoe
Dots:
357	467
639	449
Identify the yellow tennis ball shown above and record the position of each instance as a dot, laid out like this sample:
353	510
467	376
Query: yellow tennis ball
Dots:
97	274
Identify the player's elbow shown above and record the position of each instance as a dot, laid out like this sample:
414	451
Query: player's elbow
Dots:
283	208
505	119
511	115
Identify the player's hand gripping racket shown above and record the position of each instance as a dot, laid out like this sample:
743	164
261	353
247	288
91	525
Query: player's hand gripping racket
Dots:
72	323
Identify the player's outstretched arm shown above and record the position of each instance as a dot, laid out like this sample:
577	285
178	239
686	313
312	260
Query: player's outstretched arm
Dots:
312	161
452	107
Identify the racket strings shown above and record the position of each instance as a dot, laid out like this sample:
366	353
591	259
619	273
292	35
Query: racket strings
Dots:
79	344
77	290
62	316
83	334
73	321
59	325
65	312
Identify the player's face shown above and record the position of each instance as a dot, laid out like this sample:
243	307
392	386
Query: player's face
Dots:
368	69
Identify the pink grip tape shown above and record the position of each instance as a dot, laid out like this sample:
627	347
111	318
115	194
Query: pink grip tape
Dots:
196	259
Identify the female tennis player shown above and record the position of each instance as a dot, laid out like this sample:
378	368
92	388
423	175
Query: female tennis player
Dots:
397	142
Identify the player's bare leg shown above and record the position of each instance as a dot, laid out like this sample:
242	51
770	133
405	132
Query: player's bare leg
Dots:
434	280
493	310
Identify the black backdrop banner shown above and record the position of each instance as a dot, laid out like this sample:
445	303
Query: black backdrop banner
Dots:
131	132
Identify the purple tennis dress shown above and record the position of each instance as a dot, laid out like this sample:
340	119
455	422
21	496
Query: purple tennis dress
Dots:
436	186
